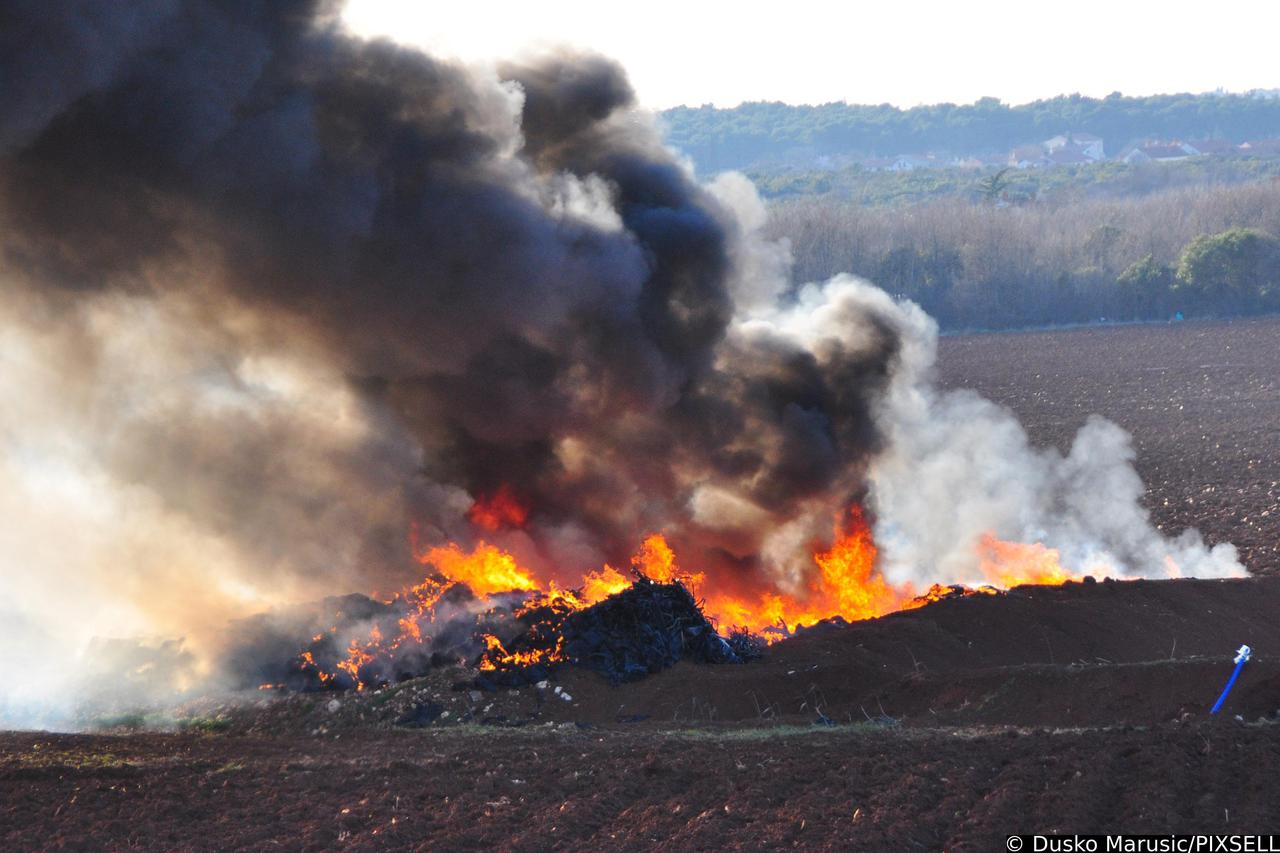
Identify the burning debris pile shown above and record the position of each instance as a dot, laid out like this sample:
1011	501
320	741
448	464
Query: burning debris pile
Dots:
483	610
513	638
645	628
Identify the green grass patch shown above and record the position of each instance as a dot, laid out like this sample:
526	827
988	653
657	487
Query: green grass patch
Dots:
132	721
764	733
75	759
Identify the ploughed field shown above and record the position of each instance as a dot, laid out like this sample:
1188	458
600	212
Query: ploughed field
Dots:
549	789
1070	709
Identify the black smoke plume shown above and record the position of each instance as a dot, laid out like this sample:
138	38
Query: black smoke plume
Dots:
511	267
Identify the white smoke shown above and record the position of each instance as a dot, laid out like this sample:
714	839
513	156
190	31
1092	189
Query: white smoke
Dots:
957	467
165	470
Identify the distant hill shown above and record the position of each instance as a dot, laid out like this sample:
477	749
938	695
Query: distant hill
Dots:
762	134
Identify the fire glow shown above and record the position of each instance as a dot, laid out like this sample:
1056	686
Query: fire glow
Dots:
846	583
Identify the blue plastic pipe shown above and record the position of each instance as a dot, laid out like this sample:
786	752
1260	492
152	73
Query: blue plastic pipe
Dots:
1242	657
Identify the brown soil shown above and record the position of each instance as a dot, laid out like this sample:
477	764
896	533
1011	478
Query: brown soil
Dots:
1071	709
572	789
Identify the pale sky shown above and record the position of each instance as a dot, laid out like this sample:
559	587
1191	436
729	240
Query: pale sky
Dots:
805	51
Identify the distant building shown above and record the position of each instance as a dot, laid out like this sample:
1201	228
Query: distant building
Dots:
1215	147
1086	144
1261	148
1067	149
1159	152
911	162
1027	157
1091	146
1068	155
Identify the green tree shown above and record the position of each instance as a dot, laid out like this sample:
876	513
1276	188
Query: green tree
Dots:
1143	289
753	134
993	186
1234	271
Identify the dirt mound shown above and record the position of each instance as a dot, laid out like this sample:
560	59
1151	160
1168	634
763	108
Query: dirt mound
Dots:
1079	654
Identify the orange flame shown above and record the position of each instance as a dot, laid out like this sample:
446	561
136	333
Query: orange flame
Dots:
1010	564
498	510
359	654
851	586
422	600
597	586
307	663
658	562
497	654
485	570
848	584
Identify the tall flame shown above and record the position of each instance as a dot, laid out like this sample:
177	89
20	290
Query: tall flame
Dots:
848	583
657	562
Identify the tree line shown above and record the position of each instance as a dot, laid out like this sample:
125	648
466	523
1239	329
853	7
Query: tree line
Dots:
1207	251
1017	186
758	133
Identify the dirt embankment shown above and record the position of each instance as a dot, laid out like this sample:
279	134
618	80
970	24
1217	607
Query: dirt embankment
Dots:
1083	654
